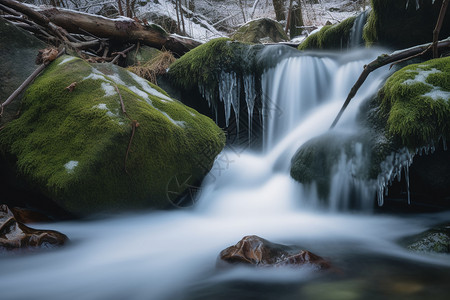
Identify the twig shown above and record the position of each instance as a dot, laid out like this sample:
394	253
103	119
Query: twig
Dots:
122	53
27	82
438	27
381	61
134	125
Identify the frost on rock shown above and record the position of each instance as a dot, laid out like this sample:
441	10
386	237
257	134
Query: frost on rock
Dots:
70	166
392	168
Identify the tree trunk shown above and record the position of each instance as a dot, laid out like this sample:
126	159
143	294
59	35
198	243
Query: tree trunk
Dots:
278	6
296	21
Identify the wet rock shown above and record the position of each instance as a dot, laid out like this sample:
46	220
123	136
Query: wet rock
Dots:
24	215
261	30
253	250
15	235
436	240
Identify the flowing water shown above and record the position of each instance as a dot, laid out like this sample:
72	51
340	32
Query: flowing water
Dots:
172	254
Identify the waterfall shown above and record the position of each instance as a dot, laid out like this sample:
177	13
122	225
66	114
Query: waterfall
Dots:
300	98
356	33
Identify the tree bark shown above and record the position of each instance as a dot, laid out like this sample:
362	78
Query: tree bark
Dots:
278	6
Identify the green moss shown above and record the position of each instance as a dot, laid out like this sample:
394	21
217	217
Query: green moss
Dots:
203	65
413	116
254	31
330	36
391	24
58	128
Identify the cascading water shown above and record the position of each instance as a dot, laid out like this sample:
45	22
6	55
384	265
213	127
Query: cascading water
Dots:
172	254
356	34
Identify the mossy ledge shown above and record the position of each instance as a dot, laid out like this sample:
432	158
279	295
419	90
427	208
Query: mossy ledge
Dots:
71	145
330	36
416	103
203	64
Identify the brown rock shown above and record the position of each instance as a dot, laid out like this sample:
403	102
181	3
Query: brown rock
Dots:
16	235
257	251
23	215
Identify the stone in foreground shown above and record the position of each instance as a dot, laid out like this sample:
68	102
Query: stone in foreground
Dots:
16	235
253	250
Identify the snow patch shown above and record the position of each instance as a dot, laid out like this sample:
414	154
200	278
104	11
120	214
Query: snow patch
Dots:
146	86
70	166
116	78
177	123
103	106
65	60
437	93
421	77
95	76
109	89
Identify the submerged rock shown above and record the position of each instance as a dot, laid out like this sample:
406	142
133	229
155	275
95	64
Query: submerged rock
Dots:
80	149
253	250
261	31
436	240
16	235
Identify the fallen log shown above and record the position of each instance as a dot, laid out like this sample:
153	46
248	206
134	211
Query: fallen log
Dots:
124	30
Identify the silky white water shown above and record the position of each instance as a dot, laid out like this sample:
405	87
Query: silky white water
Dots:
172	254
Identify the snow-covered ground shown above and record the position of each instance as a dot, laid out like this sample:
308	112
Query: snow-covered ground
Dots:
216	18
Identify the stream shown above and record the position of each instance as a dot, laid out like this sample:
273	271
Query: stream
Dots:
172	254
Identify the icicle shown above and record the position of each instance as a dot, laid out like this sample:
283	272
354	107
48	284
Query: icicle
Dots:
225	86
250	96
407	183
392	167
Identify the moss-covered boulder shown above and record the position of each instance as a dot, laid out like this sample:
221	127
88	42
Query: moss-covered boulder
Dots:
398	25
416	103
261	31
330	37
18	50
79	148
